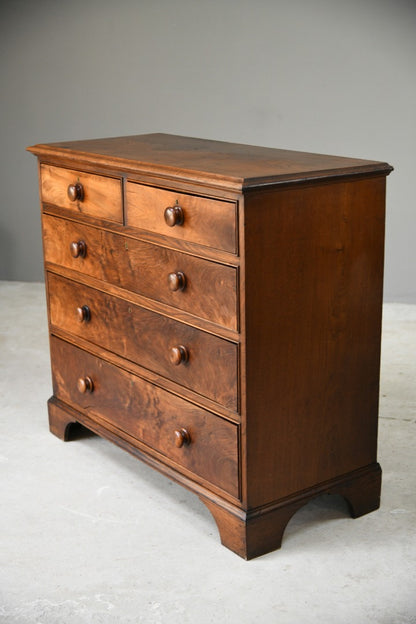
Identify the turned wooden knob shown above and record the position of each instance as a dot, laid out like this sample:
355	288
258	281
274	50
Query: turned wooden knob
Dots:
85	384
174	216
176	281
84	314
182	437
78	249
76	192
179	355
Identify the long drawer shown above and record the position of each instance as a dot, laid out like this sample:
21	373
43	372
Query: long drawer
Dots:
191	437
202	287
202	220
193	358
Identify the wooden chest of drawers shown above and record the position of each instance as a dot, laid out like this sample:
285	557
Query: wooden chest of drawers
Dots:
215	309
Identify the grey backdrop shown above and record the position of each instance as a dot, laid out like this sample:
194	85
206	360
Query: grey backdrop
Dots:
331	76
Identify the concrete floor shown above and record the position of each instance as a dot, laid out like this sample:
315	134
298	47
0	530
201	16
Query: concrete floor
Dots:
88	534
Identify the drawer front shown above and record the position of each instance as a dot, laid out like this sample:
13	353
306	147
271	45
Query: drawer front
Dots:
191	357
209	289
97	196
200	220
155	417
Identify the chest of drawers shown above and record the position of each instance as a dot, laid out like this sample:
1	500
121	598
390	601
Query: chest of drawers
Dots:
215	309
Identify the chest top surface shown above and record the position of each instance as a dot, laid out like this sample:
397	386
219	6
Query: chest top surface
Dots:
238	165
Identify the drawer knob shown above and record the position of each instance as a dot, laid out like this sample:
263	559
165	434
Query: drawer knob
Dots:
76	192
174	216
179	355
176	281
78	249
84	314
85	384
182	437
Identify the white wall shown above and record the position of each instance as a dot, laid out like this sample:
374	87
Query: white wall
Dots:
331	76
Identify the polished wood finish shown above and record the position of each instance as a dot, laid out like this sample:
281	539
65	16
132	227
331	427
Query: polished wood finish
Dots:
176	281
217	313
206	289
182	436
202	220
85	384
212	164
321	385
174	216
179	355
142	336
78	249
149	414
256	532
82	192
75	192
84	314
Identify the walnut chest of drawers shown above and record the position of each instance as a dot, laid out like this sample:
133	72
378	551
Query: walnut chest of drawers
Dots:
215	309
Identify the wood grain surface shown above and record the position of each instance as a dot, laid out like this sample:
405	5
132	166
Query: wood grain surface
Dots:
210	290
313	346
149	414
207	221
215	309
147	338
218	163
102	196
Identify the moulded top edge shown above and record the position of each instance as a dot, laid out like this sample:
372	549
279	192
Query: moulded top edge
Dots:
228	165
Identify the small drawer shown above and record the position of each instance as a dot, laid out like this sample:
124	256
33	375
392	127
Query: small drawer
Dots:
209	222
83	193
191	437
190	357
201	287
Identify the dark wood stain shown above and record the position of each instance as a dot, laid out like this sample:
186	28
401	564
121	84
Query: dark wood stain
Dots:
203	220
215	309
100	196
210	291
149	414
219	162
313	353
146	337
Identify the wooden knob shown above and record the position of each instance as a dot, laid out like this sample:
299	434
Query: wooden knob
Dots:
78	249
84	314
179	355
176	281
76	192
182	437
85	384
174	216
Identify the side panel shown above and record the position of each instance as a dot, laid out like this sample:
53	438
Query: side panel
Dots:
314	277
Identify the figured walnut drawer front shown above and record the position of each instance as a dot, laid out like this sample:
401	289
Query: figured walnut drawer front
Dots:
190	436
193	358
83	193
202	287
202	220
